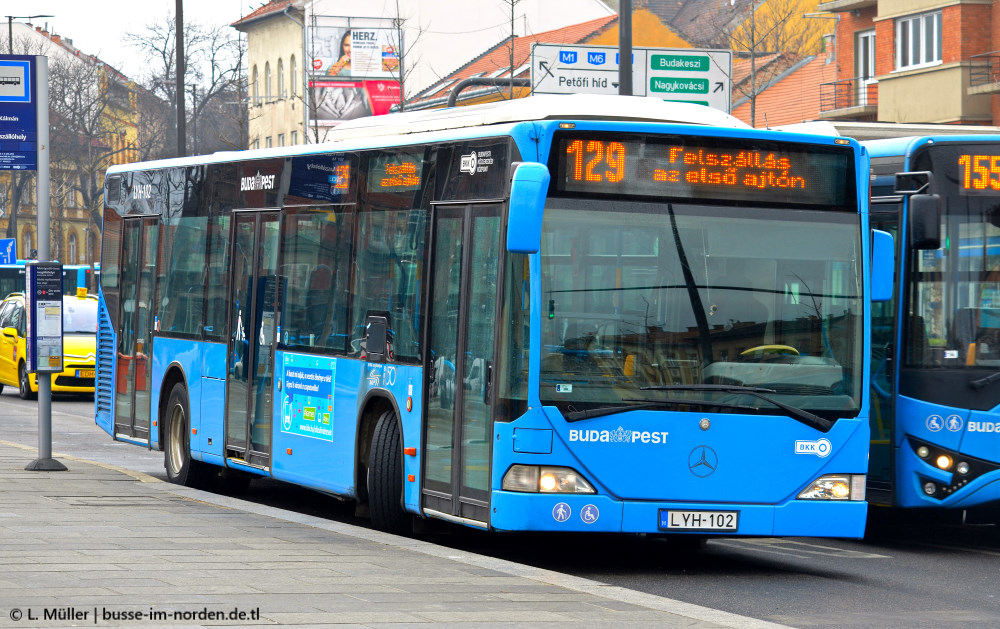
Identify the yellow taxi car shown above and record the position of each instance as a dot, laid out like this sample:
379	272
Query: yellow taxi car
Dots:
79	346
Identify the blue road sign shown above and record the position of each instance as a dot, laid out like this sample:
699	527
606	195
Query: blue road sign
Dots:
18	118
8	251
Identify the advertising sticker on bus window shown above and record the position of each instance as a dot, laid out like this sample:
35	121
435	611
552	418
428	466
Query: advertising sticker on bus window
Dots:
307	395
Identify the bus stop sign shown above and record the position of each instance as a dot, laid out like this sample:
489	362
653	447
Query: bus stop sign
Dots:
44	309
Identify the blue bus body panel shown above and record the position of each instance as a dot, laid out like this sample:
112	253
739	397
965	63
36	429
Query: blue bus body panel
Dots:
318	451
186	355
972	433
633	471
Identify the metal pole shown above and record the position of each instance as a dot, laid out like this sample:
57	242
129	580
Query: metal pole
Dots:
44	462
10	34
625	47
181	131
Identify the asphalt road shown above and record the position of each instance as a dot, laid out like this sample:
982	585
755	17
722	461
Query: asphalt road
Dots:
910	571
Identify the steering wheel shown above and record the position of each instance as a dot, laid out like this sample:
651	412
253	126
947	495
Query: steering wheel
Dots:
771	349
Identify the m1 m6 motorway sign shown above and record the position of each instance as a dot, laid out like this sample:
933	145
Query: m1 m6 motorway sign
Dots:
685	74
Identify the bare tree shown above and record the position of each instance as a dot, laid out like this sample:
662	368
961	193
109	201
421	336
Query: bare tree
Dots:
214	77
773	27
89	104
407	61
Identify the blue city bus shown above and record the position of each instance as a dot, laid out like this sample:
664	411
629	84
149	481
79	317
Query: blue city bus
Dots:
936	367
562	313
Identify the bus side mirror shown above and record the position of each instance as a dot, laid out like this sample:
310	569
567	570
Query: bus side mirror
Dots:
528	187
883	265
925	222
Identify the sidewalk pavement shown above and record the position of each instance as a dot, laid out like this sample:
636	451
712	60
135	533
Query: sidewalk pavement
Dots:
103	546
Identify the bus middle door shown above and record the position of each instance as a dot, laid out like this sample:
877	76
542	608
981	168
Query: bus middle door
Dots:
253	317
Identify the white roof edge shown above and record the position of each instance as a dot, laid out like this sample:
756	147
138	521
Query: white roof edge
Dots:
541	107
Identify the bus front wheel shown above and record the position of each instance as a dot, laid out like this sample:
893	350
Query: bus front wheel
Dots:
385	477
181	468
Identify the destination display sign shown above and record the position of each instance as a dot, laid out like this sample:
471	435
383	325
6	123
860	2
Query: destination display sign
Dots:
705	168
979	173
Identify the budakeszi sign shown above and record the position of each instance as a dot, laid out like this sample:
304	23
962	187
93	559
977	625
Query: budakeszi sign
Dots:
18	115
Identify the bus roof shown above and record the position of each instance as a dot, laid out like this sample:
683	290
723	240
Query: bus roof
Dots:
541	107
905	146
868	131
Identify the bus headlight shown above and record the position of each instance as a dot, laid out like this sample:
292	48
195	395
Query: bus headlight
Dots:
545	480
835	487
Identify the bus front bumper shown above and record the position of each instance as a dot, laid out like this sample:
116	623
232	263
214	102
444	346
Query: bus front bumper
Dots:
513	511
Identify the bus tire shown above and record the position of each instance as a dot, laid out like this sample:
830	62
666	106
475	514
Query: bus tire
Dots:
181	468
24	383
385	477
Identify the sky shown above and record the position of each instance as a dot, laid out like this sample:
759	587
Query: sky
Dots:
99	27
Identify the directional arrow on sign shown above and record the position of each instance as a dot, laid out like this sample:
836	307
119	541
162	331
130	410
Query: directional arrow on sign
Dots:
718	87
545	67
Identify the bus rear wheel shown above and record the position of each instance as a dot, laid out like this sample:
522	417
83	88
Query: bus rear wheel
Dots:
385	477
181	468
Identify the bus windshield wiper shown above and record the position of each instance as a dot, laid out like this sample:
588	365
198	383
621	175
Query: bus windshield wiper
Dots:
573	416
798	414
982	382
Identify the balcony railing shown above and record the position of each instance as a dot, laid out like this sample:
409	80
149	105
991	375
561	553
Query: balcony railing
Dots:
984	73
860	95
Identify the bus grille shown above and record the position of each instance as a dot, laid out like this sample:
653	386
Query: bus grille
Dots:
104	387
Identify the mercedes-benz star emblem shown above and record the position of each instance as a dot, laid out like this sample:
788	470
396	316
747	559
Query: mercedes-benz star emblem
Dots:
702	461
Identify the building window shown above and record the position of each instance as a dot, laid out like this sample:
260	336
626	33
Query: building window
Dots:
256	87
29	244
73	255
295	138
292	78
256	143
267	81
267	142
281	79
918	40
281	139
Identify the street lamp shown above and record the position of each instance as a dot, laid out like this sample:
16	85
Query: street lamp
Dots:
10	28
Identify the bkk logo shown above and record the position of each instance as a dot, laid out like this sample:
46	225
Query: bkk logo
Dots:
618	436
820	447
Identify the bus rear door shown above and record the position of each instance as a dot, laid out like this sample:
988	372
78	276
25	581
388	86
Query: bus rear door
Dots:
132	374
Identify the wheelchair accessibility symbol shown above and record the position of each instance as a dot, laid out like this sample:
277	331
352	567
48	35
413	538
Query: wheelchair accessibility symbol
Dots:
589	514
935	423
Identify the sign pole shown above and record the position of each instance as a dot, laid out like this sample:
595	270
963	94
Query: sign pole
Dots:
625	47
44	462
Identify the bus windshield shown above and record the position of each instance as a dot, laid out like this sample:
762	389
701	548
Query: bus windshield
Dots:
639	296
954	293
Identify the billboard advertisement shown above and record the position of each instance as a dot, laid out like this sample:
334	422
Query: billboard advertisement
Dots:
338	100
352	52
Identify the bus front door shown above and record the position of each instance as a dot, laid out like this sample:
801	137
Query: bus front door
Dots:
253	316
463	304
133	374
